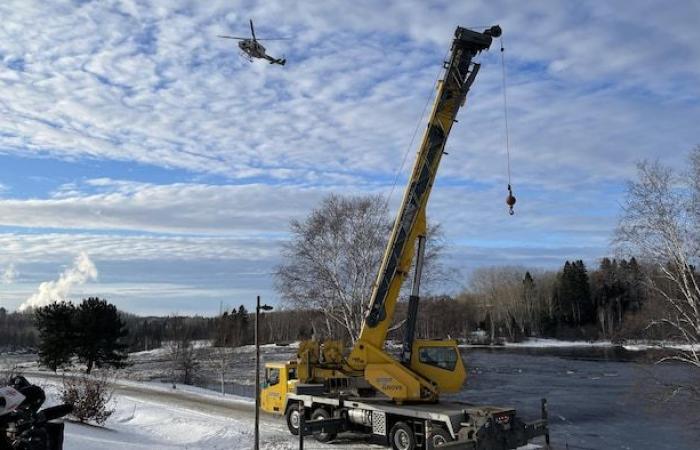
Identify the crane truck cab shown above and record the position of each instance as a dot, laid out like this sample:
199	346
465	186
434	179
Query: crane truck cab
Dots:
280	379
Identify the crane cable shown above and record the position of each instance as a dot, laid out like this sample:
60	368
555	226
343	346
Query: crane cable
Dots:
510	200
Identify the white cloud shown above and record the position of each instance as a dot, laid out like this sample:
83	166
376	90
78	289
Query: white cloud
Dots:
9	275
348	99
55	247
182	208
82	271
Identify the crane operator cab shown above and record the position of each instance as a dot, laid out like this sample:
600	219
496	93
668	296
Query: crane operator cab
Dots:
439	362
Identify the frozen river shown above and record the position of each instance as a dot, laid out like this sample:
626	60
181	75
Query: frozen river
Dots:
599	398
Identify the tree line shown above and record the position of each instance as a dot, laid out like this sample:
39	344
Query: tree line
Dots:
612	301
608	302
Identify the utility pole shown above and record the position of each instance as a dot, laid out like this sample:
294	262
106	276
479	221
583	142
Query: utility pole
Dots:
258	308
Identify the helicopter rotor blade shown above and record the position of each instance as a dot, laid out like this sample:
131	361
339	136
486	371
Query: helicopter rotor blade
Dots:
274	39
232	37
252	30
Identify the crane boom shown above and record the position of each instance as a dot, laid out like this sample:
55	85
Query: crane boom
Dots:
410	222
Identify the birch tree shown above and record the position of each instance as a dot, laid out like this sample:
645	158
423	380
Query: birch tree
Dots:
661	222
331	261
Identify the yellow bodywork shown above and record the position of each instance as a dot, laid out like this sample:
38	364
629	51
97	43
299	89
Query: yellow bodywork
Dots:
436	367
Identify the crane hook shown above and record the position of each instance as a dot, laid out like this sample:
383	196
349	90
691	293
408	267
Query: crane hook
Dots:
510	200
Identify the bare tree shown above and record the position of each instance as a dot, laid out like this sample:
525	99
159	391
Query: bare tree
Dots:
500	292
661	221
512	301
182	353
333	256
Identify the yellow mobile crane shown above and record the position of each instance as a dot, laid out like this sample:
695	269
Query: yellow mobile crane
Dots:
396	401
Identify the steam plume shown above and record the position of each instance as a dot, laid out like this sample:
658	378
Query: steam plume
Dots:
83	270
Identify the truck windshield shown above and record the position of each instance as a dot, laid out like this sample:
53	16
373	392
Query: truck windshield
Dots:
273	377
442	357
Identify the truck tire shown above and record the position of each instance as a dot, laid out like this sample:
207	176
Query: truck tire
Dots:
402	437
320	413
439	437
292	417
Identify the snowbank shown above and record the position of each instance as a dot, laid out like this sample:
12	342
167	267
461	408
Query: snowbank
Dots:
544	343
628	345
659	345
549	343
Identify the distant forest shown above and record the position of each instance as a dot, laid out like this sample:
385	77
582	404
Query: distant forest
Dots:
611	301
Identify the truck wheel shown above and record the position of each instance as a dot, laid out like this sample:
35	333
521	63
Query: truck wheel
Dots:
439	437
401	437
319	414
292	416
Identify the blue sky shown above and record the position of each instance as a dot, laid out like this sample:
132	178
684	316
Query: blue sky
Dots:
132	135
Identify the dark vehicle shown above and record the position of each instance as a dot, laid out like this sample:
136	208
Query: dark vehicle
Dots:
252	48
22	425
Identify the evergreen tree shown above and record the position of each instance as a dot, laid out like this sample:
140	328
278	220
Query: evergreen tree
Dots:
531	312
574	293
100	333
635	282
56	334
585	303
243	325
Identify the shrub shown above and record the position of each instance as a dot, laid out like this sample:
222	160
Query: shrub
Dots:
89	396
7	373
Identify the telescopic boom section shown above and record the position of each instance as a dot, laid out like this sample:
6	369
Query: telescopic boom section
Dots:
410	221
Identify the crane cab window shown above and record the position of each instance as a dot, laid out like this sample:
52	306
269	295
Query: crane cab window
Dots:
272	377
442	357
292	373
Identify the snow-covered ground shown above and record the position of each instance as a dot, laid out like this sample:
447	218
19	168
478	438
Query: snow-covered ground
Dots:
154	416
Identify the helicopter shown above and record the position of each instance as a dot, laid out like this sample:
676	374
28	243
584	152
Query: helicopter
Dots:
254	49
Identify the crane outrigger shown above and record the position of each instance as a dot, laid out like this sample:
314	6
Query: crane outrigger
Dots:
367	390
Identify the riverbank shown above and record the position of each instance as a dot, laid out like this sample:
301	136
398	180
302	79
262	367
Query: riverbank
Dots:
630	345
